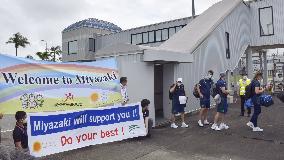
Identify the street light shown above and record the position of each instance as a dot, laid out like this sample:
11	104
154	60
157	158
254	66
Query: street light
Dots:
45	45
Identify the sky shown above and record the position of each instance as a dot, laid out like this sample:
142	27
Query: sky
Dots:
45	19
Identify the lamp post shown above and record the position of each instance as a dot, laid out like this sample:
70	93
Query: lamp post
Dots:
45	45
193	9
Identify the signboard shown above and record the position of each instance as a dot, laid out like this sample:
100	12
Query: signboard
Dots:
40	86
56	132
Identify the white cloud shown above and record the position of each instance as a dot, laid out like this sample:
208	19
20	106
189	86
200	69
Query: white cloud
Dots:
37	20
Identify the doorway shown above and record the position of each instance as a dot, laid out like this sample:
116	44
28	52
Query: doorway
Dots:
158	91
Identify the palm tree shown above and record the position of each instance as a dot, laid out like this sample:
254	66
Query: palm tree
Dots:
19	41
44	55
55	51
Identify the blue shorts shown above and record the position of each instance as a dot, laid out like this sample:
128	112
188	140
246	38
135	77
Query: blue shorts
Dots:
205	102
177	108
223	106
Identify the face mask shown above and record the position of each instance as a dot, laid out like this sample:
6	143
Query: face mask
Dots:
178	84
245	78
25	121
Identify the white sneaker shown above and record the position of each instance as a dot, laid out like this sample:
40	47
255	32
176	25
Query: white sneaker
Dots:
206	122
200	123
173	125
183	125
215	127
257	129
224	126
250	124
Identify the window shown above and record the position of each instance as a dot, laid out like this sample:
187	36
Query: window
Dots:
178	28
133	39
172	31
92	44
228	54
145	37
266	21
151	36
158	35
165	34
139	38
73	47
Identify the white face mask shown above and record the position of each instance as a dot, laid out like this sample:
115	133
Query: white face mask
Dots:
179	83
25	121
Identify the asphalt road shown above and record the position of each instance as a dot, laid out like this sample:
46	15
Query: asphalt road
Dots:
195	143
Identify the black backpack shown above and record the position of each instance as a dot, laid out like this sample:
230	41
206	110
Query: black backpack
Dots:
195	91
248	93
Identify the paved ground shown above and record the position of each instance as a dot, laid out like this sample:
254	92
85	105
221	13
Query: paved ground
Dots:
194	143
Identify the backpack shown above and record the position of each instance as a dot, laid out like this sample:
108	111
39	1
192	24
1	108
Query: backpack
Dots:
248	93
195	91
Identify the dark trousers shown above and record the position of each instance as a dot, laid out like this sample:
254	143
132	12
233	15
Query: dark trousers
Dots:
256	112
243	106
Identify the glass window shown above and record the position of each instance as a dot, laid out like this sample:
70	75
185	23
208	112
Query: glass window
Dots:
133	39
172	31
73	47
266	21
92	44
151	36
138	38
158	35
165	34
178	28
228	54
145	37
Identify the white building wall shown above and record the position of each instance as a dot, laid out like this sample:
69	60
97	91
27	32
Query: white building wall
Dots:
140	77
211	54
278	19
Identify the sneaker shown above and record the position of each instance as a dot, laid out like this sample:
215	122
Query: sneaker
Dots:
250	124
215	127
200	123
183	125
224	126
257	129
206	122
173	125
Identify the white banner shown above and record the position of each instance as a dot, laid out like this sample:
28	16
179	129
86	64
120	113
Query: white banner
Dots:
56	132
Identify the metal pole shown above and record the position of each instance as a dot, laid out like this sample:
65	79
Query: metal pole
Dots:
193	9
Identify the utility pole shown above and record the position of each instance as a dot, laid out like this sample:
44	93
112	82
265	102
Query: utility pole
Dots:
193	9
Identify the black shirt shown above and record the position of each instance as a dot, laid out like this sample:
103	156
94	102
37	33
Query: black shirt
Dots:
145	113
20	135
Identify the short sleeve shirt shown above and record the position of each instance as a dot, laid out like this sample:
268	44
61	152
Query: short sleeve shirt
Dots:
255	83
205	86
145	113
20	135
220	84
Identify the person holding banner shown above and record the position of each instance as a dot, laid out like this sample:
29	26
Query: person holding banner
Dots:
20	135
148	121
123	90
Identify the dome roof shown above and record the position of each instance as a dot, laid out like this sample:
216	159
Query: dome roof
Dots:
93	23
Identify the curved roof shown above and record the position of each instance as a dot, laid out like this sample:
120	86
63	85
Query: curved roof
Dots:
93	23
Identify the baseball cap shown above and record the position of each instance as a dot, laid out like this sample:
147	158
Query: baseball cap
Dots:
179	79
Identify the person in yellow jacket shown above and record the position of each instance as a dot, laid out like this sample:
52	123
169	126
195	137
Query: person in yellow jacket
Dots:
243	82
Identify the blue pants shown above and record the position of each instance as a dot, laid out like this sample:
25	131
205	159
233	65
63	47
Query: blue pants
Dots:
256	112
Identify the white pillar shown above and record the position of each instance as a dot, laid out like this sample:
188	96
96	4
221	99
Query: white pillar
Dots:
249	64
265	74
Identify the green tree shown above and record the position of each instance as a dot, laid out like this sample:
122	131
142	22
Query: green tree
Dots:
55	51
19	41
44	55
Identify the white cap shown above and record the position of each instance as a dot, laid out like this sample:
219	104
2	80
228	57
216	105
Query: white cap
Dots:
179	79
